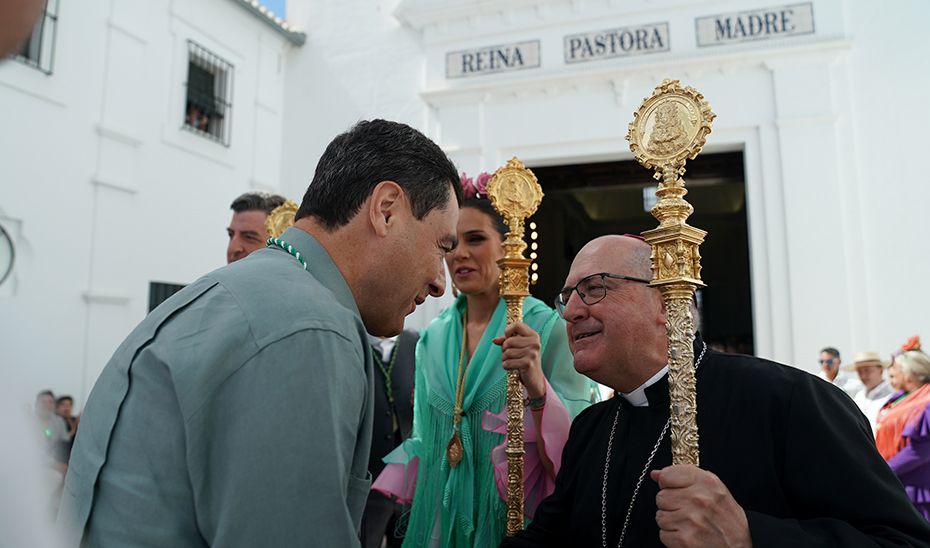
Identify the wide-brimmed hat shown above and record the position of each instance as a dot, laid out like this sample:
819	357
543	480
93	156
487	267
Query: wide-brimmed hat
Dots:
862	359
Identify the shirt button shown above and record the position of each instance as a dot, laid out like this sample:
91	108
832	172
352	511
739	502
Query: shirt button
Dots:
387	413
387	437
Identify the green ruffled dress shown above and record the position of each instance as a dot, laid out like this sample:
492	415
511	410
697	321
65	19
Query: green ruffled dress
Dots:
461	506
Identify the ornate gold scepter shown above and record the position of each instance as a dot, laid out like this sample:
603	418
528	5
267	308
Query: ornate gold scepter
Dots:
515	194
669	128
281	218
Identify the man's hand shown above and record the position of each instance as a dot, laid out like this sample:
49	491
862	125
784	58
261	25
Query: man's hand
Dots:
696	510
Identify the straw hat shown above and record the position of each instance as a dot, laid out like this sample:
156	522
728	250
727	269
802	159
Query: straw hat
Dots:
862	359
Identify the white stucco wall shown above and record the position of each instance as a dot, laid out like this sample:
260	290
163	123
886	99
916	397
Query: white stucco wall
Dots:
103	190
359	63
889	250
811	114
825	121
104	193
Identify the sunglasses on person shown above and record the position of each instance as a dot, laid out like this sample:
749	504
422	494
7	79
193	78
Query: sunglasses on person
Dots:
827	362
592	290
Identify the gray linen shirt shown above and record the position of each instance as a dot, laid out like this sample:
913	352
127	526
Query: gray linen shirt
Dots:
238	413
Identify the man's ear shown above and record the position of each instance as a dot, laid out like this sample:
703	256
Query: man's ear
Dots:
663	315
384	204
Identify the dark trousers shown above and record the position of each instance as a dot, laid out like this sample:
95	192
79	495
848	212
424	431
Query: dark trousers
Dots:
379	521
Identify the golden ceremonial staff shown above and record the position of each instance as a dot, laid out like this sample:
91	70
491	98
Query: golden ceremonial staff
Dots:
281	218
669	128
515	194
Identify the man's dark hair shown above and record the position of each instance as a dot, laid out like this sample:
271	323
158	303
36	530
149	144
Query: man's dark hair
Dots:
257	201
45	393
63	398
832	351
368	153
485	206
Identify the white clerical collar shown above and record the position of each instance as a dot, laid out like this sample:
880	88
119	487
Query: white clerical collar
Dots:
637	398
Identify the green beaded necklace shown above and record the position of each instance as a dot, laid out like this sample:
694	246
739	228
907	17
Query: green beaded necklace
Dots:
289	248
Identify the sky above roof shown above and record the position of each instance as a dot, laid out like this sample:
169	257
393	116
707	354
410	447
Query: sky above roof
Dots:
277	6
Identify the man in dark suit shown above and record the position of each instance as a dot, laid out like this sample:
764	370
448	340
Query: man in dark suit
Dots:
395	361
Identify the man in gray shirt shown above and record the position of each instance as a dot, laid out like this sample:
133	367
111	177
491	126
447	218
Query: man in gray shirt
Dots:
239	412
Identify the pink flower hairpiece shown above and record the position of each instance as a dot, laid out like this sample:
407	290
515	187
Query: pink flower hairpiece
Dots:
476	188
912	344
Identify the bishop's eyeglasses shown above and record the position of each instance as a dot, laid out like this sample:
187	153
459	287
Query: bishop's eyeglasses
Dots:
592	289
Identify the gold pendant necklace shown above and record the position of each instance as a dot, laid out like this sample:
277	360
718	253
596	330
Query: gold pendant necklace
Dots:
454	450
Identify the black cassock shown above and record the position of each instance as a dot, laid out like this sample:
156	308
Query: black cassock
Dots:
795	452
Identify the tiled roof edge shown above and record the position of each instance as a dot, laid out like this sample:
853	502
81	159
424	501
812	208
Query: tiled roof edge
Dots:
274	21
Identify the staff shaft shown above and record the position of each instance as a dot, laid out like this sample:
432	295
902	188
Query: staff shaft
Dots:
515	194
681	380
515	405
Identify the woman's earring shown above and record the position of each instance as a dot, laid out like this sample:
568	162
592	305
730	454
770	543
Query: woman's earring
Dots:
455	292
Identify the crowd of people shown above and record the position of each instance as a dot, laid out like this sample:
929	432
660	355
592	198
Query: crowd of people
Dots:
54	426
897	408
189	437
410	456
192	435
903	431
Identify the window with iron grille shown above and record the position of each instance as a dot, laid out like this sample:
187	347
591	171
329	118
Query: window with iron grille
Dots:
160	291
38	51
208	111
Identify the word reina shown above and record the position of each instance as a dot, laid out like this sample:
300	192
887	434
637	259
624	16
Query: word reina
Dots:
492	59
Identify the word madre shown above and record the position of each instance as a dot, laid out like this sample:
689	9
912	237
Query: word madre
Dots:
763	24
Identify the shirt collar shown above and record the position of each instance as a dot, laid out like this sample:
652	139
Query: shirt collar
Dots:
383	346
637	398
321	265
877	391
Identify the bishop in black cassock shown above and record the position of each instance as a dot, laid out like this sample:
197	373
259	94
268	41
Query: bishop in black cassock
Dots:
786	459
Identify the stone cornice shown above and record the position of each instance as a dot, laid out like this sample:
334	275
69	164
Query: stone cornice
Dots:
616	73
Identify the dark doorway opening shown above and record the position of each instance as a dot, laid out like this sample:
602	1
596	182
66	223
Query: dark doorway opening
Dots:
584	201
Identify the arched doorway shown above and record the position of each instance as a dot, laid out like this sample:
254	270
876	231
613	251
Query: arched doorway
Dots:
584	201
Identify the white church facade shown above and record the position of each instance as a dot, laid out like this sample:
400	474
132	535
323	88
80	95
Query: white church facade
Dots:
810	185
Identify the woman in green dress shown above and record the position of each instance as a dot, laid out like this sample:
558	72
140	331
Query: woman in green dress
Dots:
460	395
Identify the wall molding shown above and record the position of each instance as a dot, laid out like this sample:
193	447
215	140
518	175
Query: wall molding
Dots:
99	297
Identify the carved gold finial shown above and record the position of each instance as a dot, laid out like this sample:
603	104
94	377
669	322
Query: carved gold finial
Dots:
669	128
280	218
515	194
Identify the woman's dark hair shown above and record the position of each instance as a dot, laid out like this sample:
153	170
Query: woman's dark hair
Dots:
484	205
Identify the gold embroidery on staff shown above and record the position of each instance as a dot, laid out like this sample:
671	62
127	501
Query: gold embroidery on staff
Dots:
515	194
669	128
